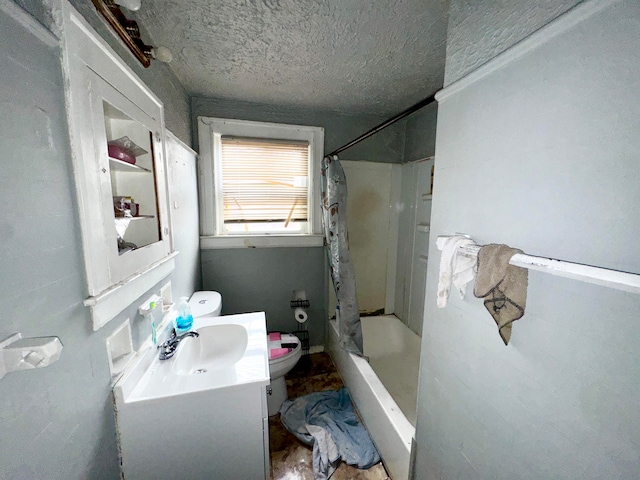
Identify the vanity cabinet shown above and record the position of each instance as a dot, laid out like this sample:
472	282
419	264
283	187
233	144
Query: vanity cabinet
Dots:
207	421
117	137
218	434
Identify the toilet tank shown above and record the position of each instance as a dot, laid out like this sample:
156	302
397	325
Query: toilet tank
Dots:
205	304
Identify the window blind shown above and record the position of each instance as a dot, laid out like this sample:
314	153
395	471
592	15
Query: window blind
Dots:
264	180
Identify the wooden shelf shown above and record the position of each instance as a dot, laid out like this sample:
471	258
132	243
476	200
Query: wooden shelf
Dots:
123	166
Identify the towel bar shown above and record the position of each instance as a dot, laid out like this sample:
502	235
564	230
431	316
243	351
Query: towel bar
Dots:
628	282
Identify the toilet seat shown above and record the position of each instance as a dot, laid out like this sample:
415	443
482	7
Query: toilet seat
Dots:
279	367
287	338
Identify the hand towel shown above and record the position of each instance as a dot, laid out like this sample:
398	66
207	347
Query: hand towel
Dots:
455	267
503	286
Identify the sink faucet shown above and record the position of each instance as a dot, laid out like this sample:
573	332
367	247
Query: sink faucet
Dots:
170	345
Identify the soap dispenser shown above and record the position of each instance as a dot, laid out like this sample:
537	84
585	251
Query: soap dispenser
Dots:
184	320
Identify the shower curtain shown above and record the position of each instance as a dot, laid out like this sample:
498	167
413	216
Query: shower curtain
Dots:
334	220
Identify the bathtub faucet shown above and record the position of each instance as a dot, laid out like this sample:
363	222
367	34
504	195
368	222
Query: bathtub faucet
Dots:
170	345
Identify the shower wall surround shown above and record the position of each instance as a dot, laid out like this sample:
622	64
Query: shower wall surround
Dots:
371	236
414	212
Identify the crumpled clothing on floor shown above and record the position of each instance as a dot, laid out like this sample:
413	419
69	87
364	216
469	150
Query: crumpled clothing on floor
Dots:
327	421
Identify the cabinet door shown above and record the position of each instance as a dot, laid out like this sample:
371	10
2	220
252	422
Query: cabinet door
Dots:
132	182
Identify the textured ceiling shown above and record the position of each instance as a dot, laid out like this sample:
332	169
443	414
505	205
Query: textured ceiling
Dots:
355	56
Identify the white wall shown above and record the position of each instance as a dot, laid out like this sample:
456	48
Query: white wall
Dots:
369	219
414	216
539	150
183	208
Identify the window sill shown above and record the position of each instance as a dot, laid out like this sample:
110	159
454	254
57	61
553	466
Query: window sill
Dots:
260	241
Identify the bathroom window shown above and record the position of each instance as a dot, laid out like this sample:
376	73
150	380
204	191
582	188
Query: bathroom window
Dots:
259	180
264	185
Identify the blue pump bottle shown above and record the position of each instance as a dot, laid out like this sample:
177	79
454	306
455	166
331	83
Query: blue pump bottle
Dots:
184	320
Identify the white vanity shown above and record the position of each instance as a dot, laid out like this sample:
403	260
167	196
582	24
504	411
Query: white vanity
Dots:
201	414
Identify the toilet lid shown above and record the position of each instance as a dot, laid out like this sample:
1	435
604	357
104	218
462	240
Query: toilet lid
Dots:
204	303
282	346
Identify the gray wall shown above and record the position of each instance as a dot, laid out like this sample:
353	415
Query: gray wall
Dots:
478	31
263	279
158	77
339	128
540	154
420	133
387	146
57	422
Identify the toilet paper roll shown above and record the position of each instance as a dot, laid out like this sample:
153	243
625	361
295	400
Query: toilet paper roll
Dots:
300	315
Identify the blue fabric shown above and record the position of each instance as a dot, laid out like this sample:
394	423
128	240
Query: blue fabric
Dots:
327	421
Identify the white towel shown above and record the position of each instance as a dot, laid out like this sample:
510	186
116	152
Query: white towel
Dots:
455	268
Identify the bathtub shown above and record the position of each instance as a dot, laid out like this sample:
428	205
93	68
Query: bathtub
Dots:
391	348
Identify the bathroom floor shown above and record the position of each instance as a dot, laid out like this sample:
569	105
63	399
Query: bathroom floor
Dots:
291	459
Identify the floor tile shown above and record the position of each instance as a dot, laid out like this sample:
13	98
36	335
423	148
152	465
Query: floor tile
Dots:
297	387
290	458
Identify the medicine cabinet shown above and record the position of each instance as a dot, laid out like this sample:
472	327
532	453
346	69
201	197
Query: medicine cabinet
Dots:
117	136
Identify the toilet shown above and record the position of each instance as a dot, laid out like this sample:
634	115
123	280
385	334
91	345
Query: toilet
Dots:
284	349
205	304
284	352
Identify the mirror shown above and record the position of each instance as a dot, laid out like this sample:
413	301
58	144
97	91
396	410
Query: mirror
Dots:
133	180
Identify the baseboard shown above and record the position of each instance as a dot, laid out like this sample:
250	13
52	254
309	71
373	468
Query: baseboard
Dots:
316	349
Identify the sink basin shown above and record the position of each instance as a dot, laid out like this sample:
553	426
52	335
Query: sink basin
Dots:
217	347
230	350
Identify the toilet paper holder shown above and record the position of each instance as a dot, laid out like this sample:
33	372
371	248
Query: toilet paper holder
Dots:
299	303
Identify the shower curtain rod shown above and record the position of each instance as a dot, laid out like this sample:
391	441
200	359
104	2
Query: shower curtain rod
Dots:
385	124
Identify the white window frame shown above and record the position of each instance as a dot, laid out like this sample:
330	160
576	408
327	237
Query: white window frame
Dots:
210	132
